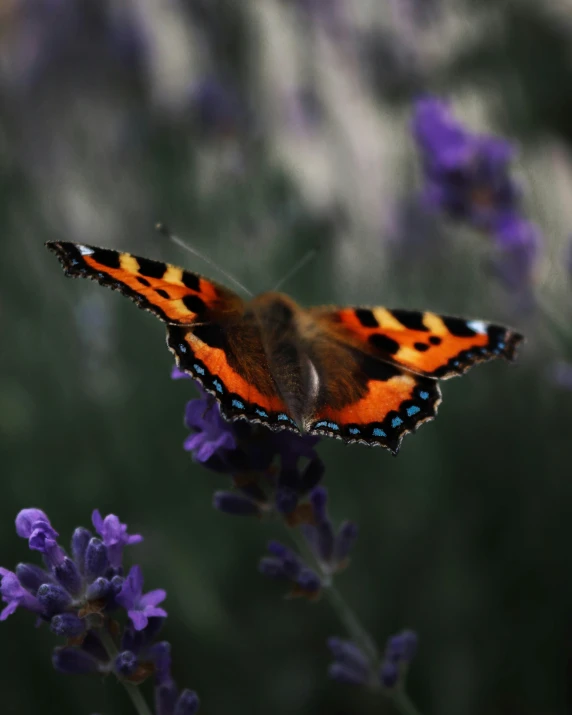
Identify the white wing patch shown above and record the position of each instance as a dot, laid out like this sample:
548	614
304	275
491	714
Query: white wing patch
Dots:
478	326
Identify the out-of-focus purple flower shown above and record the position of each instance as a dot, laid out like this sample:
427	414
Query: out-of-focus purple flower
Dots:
286	565
350	665
139	606
400	650
467	175
114	535
330	549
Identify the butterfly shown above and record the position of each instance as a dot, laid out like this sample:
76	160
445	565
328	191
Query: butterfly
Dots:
365	375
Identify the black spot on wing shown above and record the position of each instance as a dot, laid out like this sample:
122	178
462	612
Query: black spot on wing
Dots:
421	347
435	340
212	335
190	280
383	343
162	293
107	257
152	269
194	304
366	318
411	319
375	369
458	327
143	281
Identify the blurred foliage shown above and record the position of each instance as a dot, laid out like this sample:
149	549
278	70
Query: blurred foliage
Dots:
257	130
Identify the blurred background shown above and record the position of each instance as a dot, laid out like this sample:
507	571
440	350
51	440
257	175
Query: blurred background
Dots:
257	130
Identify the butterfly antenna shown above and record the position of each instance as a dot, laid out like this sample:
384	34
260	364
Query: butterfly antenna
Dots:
164	231
297	266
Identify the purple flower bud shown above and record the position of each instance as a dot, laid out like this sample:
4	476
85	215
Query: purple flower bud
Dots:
160	655
271	567
235	504
117	584
101	588
344	541
308	580
389	674
349	654
401	648
68	576
67	624
80	539
286	500
278	549
319	501
53	598
165	698
342	674
187	704
74	661
96	560
31	576
125	663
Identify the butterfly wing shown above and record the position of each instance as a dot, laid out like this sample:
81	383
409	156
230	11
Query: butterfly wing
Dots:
174	295
366	400
428	344
208	332
230	362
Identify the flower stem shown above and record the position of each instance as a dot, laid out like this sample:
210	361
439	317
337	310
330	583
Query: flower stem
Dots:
132	690
356	631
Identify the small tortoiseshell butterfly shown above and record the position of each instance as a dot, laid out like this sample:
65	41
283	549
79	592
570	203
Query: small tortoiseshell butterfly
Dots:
366	375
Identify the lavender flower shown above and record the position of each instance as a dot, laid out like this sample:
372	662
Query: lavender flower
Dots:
466	174
140	607
270	470
76	594
351	665
286	565
331	549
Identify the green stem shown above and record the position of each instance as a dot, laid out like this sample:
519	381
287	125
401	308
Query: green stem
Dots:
357	633
132	690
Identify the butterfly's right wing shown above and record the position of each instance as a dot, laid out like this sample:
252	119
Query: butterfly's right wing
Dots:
174	295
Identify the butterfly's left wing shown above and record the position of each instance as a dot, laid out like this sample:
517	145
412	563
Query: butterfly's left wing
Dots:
366	400
428	344
378	368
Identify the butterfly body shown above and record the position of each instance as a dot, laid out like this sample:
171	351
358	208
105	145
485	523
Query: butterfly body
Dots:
366	375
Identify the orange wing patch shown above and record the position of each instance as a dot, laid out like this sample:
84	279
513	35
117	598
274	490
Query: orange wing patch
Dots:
240	380
392	403
425	343
174	295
